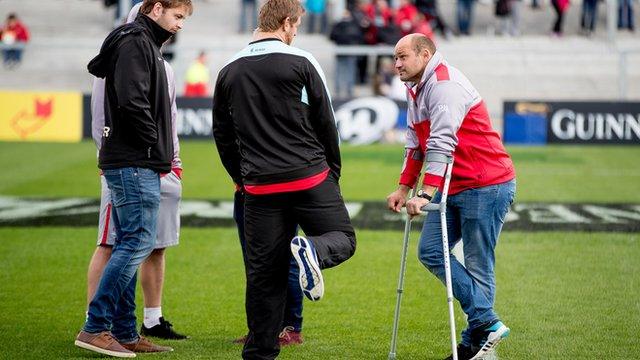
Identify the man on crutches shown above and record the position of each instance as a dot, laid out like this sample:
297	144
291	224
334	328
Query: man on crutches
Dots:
447	118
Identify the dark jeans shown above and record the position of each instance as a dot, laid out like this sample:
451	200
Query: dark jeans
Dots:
465	16
293	307
589	15
270	221
557	26
12	55
625	14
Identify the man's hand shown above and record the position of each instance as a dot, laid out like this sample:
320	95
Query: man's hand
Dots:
415	204
397	199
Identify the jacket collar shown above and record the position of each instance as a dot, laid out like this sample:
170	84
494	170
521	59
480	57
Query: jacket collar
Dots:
429	70
157	34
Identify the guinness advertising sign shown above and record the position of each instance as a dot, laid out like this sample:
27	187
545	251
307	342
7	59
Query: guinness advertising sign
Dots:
593	122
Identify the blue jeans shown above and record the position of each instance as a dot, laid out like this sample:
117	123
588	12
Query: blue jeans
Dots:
625	14
346	67
293	306
465	16
474	216
135	195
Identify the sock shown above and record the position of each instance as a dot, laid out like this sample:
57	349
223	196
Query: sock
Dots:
152	317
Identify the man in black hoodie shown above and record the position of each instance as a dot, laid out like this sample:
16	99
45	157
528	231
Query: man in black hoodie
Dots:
136	147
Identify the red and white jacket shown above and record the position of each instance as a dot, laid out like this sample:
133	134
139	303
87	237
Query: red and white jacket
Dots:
446	115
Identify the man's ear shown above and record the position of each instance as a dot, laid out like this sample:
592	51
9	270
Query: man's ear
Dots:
286	24
157	9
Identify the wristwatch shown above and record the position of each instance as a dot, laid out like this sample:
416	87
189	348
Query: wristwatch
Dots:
423	194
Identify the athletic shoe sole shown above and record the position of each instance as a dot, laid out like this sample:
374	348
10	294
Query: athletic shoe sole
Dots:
310	277
104	351
492	341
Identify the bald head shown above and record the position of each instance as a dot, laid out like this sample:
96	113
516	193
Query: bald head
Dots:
412	54
417	42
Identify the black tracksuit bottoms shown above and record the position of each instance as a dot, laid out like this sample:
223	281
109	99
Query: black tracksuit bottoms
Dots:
270	224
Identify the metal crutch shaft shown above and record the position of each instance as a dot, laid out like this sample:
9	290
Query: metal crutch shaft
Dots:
442	207
403	264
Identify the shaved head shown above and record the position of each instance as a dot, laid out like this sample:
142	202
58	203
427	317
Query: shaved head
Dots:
418	42
412	53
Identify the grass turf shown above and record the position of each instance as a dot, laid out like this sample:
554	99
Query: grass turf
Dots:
565	296
600	174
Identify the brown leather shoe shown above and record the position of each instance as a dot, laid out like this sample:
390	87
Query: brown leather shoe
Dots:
143	345
103	343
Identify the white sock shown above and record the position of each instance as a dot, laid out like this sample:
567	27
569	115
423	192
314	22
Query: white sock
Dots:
152	317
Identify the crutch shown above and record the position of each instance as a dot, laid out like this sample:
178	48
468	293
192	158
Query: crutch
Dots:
442	207
403	265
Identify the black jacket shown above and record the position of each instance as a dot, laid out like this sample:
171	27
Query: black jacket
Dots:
272	116
137	105
347	32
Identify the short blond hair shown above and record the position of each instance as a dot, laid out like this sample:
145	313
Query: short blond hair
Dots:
274	12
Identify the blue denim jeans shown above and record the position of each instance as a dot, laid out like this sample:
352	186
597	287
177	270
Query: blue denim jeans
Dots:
135	195
293	306
464	13
474	216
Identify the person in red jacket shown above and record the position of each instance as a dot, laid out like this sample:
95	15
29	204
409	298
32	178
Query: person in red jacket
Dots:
381	16
447	116
13	36
405	16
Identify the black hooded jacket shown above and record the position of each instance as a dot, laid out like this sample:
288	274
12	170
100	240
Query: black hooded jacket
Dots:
137	105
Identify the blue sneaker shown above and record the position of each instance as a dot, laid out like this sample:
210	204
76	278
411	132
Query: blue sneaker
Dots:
310	278
491	336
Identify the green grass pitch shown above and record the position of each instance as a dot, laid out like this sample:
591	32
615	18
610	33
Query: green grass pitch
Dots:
565	295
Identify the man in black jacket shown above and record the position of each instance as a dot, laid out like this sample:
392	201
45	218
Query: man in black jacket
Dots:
276	135
346	32
136	147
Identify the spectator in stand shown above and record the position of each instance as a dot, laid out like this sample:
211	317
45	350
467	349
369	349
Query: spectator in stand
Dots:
625	15
13	36
380	16
346	32
515	7
248	12
430	10
198	77
422	26
503	13
405	17
464	14
589	16
316	13
561	7
359	15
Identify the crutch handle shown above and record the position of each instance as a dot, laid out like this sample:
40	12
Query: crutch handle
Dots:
430	207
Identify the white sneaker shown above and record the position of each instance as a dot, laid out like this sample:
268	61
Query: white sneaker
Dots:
310	276
493	335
